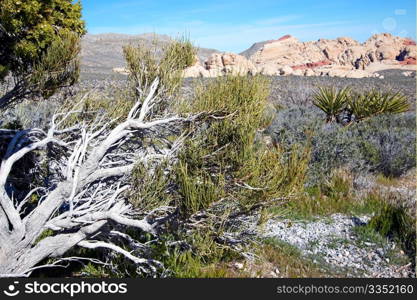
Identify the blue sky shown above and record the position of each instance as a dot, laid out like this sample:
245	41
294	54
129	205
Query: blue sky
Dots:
234	25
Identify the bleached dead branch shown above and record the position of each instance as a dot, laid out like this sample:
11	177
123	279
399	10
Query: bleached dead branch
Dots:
86	198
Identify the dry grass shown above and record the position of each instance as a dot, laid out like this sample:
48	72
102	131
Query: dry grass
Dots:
278	259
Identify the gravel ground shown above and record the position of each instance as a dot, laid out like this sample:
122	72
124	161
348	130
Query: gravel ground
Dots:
332	243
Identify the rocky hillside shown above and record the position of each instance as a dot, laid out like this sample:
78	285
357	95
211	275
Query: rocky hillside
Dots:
102	53
342	57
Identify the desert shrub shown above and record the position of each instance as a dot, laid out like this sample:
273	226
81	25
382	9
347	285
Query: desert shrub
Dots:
243	101
393	220
290	91
199	189
179	54
226	160
224	163
40	42
150	187
145	65
272	175
383	144
203	258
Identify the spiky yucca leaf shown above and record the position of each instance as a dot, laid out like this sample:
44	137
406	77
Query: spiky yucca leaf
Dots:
373	102
331	101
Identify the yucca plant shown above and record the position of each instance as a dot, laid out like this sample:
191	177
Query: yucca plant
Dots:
331	101
373	102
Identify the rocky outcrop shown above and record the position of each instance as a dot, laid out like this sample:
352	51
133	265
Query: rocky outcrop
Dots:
287	55
229	63
312	65
408	61
219	64
409	42
322	55
196	70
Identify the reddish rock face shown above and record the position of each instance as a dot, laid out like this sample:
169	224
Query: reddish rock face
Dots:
312	65
287	36
409	43
283	38
408	61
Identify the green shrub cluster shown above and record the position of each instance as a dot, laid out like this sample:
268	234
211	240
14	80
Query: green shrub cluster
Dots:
392	220
29	27
39	46
383	144
150	188
204	259
145	64
373	102
226	160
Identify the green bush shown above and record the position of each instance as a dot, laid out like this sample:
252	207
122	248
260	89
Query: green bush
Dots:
242	100
150	187
58	67
382	144
145	65
39	46
227	160
198	190
205	259
394	221
271	175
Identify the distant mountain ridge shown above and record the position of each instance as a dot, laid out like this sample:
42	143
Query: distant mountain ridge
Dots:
101	53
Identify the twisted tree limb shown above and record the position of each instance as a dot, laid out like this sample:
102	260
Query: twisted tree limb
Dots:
88	194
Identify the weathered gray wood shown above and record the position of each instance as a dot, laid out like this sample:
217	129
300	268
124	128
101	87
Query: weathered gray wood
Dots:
92	199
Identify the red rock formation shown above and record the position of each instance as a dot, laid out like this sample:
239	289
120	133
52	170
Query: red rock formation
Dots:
343	57
283	38
312	65
409	42
408	61
287	36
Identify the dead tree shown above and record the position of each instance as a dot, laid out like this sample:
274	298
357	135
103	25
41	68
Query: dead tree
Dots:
86	197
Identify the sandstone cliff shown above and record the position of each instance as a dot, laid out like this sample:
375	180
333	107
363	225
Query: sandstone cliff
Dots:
287	55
